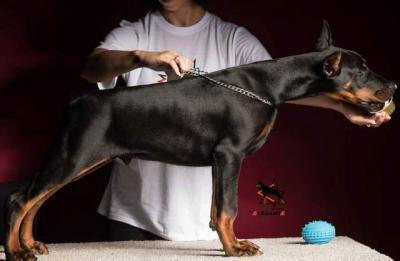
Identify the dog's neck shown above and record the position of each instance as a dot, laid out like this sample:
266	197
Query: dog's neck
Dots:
293	77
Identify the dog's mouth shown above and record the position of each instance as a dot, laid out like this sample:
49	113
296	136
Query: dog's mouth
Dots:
375	107
389	106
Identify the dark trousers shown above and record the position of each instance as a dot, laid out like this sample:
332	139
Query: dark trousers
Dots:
119	231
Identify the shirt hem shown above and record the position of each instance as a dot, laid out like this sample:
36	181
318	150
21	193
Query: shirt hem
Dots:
127	220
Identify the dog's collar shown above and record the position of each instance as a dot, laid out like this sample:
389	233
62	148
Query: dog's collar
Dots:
250	94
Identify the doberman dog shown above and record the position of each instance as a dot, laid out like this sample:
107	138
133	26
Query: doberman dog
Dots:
191	122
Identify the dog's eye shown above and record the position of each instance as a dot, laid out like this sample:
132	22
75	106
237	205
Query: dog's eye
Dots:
364	103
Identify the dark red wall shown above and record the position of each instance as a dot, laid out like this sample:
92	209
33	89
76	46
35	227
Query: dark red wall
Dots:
328	168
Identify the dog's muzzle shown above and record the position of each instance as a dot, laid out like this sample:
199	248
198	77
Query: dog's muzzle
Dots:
388	107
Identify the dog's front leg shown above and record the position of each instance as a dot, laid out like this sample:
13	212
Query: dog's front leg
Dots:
226	169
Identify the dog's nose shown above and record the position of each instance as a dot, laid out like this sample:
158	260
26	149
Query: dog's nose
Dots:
393	86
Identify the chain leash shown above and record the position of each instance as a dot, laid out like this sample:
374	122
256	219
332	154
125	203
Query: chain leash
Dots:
252	95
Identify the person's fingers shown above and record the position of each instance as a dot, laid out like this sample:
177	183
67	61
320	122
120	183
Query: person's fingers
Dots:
184	63
381	117
367	123
386	117
363	121
167	60
163	60
179	62
370	121
175	67
188	64
378	119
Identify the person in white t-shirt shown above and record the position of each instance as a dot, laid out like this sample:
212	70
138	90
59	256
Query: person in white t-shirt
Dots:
169	201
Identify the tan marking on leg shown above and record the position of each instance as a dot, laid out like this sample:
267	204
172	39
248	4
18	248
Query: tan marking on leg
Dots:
232	246
225	231
213	212
24	230
26	234
267	128
92	168
13	243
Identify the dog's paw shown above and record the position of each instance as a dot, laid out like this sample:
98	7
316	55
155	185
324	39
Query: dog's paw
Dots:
24	255
39	248
249	243
212	226
244	248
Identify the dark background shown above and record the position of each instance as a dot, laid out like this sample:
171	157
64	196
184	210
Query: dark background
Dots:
329	168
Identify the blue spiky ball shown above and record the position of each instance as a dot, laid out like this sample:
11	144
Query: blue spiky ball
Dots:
318	232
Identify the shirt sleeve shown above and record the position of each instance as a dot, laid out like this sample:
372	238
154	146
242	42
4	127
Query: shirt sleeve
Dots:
122	38
248	48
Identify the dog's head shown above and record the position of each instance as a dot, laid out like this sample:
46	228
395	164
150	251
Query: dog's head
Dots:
352	79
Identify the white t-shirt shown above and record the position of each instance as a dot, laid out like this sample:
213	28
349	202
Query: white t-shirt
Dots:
171	201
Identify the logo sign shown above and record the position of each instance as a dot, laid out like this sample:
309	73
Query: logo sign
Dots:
270	199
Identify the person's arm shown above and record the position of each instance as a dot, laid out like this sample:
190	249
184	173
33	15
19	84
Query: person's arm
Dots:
353	114
103	64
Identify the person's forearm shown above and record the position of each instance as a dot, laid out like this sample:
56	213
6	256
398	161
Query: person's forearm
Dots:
103	65
321	101
351	112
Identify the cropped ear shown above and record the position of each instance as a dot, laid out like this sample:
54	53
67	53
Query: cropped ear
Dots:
325	38
331	64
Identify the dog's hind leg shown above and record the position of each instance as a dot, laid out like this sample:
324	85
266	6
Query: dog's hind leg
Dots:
16	208
26	236
26	233
81	148
23	205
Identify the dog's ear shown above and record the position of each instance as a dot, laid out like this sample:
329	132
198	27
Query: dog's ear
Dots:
332	64
325	38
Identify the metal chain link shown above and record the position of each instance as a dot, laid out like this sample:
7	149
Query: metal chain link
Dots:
252	95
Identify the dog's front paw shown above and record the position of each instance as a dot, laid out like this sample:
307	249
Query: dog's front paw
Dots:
244	248
249	243
24	255
39	248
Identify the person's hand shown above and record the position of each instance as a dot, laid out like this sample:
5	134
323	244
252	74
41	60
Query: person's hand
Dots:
164	61
357	117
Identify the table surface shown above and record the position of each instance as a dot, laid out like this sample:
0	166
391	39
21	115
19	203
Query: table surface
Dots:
275	249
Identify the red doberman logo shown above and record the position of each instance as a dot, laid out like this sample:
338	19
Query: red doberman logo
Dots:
270	196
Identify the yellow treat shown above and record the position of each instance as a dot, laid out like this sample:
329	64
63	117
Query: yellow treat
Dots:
390	108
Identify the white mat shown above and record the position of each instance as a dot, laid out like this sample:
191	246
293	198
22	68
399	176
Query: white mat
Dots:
276	249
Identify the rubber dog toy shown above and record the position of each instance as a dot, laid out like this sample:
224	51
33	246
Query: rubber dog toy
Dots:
318	232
